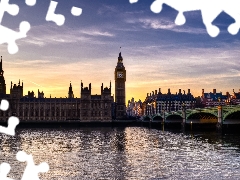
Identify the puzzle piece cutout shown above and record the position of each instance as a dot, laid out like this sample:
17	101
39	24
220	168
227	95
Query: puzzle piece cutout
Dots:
4	170
133	1
30	2
76	11
12	9
4	105
209	9
12	123
7	35
31	171
59	19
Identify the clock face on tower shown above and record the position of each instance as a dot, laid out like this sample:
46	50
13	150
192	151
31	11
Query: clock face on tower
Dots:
119	74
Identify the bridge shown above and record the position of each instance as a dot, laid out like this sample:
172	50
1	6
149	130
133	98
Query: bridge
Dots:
221	114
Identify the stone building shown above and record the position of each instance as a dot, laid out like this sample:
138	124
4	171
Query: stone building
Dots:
235	98
96	107
134	108
157	103
30	108
214	98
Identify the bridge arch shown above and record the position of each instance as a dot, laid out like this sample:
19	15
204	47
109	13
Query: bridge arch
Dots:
157	118
202	117
147	118
234	114
174	116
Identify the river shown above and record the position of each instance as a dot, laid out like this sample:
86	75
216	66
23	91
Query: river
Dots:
131	153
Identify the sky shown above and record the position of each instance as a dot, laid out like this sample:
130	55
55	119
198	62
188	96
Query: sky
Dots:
156	52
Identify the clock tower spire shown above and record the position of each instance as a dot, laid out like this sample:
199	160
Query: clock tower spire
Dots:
120	93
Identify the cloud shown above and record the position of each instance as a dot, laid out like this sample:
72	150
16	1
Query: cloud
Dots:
43	35
96	33
157	24
25	63
106	9
165	24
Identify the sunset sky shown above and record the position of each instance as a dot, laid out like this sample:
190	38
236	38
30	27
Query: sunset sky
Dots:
156	53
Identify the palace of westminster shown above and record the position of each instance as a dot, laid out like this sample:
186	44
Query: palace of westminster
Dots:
87	108
102	107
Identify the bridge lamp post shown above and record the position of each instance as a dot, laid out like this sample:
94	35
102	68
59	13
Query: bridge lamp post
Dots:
220	117
164	112
184	114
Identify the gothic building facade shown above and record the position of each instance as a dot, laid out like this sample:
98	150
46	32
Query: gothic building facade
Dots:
31	108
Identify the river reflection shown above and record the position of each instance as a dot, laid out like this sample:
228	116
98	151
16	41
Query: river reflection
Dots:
136	153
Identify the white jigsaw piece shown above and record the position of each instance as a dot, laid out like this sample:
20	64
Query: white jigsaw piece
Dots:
76	11
8	35
31	171
59	19
4	105
12	121
133	1
4	170
209	9
30	2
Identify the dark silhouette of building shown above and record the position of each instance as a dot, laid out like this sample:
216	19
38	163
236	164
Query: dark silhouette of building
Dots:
16	91
70	92
96	107
2	80
120	79
31	108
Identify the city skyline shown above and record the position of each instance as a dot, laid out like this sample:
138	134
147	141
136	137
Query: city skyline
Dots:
156	52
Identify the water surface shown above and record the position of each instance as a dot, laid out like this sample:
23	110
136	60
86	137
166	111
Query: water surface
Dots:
136	153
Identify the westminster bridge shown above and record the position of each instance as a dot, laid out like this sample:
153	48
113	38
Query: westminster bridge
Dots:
221	114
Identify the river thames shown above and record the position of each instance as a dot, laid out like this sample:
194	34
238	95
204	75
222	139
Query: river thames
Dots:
135	153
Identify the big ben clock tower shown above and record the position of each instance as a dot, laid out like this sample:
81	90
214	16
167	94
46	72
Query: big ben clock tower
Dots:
120	78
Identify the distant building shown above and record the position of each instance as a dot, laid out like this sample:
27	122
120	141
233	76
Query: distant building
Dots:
212	99
156	102
235	99
134	108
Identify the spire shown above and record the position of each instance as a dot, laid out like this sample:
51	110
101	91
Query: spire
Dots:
110	85
120	58
1	64
19	82
70	91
